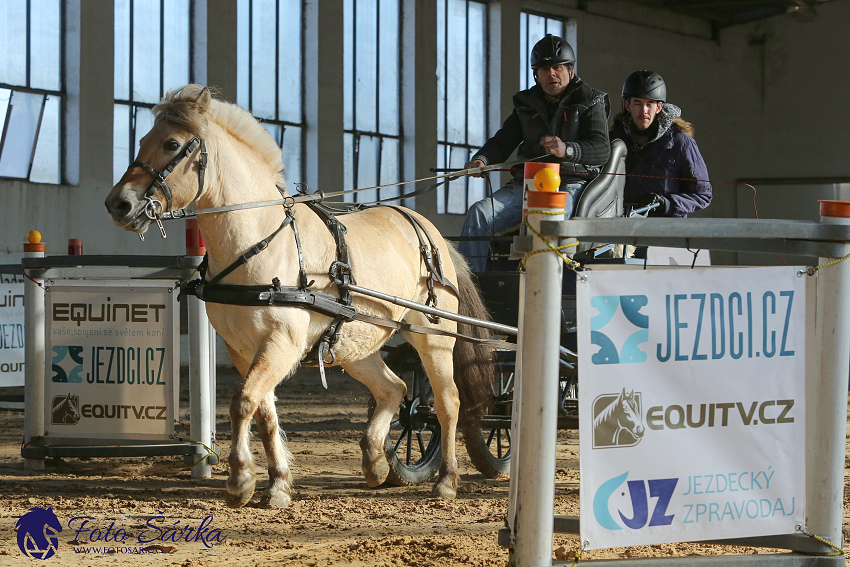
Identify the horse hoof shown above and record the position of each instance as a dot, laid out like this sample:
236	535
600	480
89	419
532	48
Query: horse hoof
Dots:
238	500
442	491
277	499
236	497
376	473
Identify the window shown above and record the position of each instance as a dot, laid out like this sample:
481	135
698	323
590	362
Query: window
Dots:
153	40
461	97
371	73
269	73
532	28
31	90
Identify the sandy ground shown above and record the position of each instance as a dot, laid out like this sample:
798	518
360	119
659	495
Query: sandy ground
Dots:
335	518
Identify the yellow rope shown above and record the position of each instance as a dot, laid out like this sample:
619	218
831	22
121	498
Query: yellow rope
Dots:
838	551
571	264
210	451
811	271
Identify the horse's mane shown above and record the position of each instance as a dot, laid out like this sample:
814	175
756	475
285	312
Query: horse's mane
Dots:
192	105
606	413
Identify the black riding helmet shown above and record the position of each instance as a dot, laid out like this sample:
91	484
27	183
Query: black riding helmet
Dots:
551	50
645	84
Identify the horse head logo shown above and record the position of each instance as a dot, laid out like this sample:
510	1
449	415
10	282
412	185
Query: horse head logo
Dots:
37	530
66	410
617	420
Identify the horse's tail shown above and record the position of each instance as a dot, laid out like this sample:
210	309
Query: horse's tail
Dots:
473	362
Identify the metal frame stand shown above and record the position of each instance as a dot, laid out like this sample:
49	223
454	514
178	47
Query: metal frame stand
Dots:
199	451
532	494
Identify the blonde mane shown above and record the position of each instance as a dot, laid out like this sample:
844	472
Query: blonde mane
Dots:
192	105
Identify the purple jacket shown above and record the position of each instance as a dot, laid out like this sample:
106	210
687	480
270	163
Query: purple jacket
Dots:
673	162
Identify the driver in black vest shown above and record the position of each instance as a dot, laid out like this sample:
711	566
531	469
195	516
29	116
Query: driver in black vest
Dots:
561	117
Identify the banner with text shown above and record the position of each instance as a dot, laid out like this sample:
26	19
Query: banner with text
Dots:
112	356
692	404
11	334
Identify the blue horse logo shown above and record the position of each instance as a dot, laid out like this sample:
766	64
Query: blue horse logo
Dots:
608	306
37	530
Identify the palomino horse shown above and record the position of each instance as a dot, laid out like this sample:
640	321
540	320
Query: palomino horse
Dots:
267	343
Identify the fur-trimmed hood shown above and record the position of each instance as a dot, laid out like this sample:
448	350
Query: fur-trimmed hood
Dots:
668	117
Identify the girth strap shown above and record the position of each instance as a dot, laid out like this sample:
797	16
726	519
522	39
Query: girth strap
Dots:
431	257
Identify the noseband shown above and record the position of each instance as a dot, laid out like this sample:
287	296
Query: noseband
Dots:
153	208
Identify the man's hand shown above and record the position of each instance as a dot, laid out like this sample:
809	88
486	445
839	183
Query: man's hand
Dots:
554	145
476	163
652	199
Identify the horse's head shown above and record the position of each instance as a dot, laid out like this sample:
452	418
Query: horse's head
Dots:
173	149
630	408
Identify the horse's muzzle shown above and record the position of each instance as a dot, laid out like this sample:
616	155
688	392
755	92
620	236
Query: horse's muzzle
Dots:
127	210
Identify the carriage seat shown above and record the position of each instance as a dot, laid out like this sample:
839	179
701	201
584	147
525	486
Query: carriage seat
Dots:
603	195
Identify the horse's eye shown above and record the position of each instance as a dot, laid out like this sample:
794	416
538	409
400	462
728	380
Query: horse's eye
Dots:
171	145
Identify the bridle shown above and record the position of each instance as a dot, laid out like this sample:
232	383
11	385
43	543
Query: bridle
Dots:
153	208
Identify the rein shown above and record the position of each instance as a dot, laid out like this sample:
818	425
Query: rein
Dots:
154	210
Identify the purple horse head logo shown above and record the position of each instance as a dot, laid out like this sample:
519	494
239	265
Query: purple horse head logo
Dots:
37	530
617	420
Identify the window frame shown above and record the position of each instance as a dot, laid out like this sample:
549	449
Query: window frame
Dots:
28	88
357	134
248	101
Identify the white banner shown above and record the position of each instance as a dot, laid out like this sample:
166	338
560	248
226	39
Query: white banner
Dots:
11	334
691	404
112	351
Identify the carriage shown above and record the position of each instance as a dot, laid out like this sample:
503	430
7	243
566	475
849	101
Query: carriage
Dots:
304	299
413	444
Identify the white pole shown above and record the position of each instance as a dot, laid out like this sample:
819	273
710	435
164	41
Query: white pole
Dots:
516	416
34	361
534	520
826	392
201	410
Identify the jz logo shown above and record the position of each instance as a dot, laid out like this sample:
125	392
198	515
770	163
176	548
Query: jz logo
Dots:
660	488
607	306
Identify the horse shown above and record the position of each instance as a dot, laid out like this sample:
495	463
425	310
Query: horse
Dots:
620	416
237	162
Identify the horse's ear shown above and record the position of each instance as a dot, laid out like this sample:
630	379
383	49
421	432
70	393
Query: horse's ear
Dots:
202	101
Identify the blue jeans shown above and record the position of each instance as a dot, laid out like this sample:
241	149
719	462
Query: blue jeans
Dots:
491	215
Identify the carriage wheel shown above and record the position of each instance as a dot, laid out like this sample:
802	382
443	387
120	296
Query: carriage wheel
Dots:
488	442
413	445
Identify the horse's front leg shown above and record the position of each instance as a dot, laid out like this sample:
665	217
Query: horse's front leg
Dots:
260	380
277	495
388	391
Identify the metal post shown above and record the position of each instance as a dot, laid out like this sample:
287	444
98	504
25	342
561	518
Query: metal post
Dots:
516	417
534	520
826	392
201	420
34	360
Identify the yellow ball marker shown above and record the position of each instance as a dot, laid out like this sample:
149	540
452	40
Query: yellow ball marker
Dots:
34	237
547	180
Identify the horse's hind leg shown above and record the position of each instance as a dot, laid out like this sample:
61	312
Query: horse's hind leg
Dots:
260	380
277	495
436	356
388	391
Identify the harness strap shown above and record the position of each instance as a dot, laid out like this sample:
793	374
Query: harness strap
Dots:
431	257
340	272
159	177
256	249
318	302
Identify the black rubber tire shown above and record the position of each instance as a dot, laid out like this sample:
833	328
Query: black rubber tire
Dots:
489	447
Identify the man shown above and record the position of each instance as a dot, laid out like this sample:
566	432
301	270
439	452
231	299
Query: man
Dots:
664	165
561	118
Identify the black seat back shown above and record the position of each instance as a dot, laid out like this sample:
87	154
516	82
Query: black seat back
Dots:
603	196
